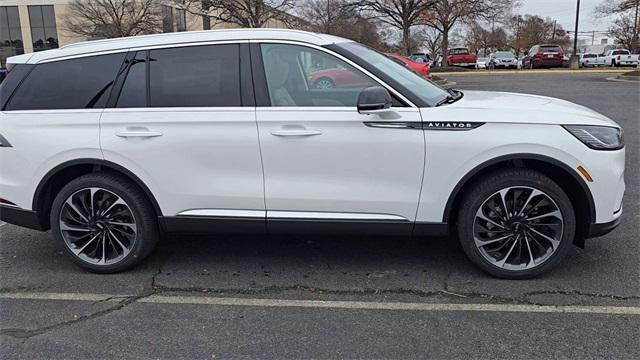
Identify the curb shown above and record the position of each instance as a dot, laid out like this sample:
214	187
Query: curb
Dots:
629	78
527	72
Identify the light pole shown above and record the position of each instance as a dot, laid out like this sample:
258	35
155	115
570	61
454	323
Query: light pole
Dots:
575	62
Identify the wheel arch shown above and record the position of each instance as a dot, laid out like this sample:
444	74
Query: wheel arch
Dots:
57	177
569	180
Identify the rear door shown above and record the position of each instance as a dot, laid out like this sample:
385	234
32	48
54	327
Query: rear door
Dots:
51	118
328	168
184	122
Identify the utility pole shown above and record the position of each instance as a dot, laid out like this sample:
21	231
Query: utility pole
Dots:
575	63
635	45
593	38
553	35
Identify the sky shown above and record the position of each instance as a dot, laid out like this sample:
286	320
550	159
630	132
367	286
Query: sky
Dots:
565	12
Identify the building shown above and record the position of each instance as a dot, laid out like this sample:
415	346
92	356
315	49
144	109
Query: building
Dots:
35	25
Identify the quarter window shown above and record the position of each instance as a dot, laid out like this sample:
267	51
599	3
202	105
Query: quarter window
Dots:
302	76
197	76
69	84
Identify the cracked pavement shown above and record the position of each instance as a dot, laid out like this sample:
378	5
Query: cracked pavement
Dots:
605	273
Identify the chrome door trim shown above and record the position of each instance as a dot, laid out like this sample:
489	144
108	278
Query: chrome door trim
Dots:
224	213
310	215
307	215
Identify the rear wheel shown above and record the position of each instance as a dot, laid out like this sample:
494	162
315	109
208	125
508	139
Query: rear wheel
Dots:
516	224
105	223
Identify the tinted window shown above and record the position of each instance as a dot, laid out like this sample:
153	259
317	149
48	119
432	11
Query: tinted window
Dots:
12	80
302	76
621	52
134	90
69	84
197	76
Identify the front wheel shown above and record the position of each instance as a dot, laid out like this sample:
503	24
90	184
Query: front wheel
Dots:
516	224
105	222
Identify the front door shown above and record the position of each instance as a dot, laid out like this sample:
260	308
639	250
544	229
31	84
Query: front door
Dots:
327	167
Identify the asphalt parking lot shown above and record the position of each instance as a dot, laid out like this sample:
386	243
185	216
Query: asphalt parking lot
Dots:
292	297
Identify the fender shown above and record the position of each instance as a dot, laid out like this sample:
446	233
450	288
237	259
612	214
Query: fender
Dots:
98	162
524	156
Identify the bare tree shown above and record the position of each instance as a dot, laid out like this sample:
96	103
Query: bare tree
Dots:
622	30
400	14
626	28
337	17
112	18
447	13
327	16
241	13
530	30
432	40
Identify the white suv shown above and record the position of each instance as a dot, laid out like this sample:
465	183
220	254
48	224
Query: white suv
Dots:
111	143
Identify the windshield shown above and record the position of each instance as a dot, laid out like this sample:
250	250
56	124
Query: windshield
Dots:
421	87
503	55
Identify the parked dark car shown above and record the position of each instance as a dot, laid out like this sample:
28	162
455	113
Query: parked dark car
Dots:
541	56
3	74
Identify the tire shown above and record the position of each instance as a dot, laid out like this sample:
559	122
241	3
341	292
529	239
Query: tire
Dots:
525	234
116	235
324	83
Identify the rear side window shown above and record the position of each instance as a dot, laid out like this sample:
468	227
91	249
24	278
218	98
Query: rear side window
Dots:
69	84
134	89
197	76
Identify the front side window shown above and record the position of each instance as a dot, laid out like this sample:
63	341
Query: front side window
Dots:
301	76
196	76
69	84
43	27
10	33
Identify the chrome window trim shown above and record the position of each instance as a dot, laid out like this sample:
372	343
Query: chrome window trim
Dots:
348	61
79	56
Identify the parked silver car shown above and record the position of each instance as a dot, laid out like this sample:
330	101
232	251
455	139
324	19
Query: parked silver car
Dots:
502	59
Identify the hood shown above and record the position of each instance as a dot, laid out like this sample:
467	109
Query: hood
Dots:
488	106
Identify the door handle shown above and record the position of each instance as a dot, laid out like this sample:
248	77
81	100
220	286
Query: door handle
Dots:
296	132
138	133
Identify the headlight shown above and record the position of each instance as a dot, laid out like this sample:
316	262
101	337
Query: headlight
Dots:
598	137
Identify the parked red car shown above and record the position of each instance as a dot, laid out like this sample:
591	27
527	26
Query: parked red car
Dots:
420	68
461	57
336	78
548	55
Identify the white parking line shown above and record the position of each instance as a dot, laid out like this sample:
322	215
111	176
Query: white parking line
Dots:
322	304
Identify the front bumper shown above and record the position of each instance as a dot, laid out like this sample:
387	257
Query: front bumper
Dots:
596	230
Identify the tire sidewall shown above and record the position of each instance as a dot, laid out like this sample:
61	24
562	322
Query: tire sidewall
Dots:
145	233
489	186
